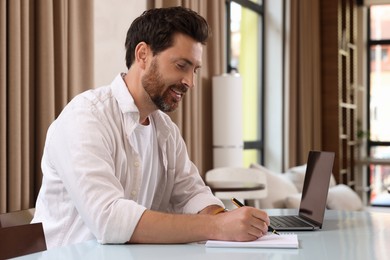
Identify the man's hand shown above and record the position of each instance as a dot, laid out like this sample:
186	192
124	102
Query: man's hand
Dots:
242	224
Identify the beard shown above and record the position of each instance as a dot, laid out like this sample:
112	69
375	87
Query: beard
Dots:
159	94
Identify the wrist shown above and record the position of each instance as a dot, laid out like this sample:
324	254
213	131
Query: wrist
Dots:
218	211
212	210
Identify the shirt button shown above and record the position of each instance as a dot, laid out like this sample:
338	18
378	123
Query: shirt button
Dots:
133	193
136	164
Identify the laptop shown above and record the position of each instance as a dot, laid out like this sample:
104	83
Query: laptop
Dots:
314	195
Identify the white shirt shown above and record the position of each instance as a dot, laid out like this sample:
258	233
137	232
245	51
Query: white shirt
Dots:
144	141
92	174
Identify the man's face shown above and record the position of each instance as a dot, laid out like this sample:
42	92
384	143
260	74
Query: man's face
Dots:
172	72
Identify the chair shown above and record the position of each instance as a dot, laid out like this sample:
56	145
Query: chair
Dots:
18	237
242	183
16	218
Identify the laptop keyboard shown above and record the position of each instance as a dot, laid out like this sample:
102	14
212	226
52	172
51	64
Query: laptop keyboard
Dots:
287	221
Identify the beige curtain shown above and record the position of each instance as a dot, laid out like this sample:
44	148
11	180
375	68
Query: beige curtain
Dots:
46	58
303	82
194	114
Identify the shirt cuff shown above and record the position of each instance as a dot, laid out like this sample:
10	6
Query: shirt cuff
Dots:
201	201
121	225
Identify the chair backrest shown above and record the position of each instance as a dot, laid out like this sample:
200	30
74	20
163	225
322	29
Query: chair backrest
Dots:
243	176
17	218
18	237
21	240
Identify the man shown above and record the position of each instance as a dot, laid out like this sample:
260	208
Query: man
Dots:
115	167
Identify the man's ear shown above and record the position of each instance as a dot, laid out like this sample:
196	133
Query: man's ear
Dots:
141	54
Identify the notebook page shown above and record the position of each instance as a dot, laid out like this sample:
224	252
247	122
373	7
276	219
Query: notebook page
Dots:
284	240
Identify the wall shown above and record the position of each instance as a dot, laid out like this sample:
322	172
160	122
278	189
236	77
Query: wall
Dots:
274	85
112	20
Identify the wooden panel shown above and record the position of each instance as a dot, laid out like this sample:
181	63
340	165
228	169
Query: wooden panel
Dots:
330	79
339	86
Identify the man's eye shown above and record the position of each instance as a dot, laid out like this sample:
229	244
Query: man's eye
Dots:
181	66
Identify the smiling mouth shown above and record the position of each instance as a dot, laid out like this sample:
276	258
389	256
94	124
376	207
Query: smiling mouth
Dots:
177	94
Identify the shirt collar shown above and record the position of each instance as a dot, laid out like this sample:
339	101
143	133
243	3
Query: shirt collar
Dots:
123	96
127	105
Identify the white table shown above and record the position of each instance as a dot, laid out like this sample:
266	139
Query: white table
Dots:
345	235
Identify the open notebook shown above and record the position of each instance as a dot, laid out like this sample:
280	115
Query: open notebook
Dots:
284	240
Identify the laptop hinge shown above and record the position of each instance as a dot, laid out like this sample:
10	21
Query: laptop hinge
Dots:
310	221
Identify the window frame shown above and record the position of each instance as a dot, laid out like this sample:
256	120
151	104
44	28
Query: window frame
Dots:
259	9
370	143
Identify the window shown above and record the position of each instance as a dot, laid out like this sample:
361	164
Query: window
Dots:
378	104
245	21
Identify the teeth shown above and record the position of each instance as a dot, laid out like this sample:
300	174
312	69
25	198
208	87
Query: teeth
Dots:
177	92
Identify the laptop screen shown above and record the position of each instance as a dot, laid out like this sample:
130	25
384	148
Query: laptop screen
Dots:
316	185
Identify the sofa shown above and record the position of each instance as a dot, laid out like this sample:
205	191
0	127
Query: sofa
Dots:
285	190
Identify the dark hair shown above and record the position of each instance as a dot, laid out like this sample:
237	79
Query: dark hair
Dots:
156	28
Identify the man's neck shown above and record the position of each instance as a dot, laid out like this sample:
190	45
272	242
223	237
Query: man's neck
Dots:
145	122
141	99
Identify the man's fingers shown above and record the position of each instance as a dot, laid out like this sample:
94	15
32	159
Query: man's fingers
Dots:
259	230
261	215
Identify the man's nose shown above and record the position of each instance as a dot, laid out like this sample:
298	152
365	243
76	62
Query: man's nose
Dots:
189	80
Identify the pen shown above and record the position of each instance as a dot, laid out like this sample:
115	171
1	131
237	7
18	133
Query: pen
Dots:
239	205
